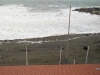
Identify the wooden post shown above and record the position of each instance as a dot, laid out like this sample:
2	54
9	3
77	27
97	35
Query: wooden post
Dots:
68	36
87	55
26	56
74	61
60	56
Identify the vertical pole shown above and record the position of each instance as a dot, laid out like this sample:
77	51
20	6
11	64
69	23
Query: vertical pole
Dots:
74	61
60	56
26	56
68	36
87	55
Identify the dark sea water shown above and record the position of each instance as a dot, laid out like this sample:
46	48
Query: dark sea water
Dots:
41	18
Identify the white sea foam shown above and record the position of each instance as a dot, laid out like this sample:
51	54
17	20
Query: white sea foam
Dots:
18	22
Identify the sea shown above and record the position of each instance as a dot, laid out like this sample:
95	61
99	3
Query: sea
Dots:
21	19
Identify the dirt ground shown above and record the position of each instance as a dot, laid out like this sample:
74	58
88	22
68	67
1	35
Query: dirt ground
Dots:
42	51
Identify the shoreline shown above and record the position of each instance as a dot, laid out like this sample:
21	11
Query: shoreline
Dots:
52	36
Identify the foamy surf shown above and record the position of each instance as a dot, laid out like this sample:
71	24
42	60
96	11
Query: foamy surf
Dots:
19	22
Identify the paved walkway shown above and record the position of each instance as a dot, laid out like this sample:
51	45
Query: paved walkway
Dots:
78	69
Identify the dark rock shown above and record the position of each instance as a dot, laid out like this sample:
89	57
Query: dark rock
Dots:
94	10
87	34
85	47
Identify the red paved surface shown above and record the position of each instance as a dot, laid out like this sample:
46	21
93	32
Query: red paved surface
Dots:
79	69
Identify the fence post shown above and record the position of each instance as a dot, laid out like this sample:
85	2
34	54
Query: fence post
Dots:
26	56
74	61
87	55
60	56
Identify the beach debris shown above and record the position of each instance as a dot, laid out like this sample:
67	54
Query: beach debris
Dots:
24	50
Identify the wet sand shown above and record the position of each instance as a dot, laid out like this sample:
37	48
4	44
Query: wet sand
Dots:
46	50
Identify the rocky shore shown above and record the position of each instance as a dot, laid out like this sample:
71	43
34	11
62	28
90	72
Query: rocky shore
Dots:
94	10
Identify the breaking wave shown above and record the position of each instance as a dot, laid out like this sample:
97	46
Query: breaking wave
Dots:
19	22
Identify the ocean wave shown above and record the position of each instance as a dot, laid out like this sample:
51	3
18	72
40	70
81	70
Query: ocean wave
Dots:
18	22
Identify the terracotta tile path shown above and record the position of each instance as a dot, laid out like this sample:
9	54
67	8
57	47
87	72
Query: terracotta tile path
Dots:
77	69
